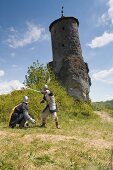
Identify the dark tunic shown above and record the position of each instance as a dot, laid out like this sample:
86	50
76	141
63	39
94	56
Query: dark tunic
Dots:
18	114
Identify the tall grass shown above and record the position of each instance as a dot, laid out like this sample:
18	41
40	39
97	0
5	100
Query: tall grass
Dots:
67	106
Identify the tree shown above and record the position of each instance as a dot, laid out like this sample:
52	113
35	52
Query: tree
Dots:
37	75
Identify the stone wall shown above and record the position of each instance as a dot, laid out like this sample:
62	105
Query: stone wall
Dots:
65	41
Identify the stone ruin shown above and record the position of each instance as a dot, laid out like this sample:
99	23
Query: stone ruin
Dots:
68	63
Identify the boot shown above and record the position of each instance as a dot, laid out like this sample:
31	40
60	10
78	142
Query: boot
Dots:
57	125
43	125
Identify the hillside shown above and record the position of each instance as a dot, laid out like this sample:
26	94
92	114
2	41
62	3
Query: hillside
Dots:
83	142
104	106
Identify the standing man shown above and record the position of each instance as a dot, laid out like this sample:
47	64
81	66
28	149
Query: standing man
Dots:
20	114
50	107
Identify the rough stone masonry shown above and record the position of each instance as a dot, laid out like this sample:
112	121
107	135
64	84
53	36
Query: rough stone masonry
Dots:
68	63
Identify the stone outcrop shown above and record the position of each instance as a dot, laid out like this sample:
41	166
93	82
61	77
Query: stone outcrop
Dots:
74	76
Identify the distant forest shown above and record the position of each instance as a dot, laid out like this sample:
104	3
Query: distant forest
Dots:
107	105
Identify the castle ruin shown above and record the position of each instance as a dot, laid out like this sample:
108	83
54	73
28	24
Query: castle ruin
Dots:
68	63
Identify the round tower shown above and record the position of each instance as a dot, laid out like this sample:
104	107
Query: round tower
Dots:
65	40
68	63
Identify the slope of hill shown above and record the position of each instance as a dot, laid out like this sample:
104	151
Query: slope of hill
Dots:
83	142
66	104
104	106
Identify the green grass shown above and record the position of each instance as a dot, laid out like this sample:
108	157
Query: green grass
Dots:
79	144
84	142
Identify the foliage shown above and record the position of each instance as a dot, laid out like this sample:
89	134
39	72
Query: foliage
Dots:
106	106
37	75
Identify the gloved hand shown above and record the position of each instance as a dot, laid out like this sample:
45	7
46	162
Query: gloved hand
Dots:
33	121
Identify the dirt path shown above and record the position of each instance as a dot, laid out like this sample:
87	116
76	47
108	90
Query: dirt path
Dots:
104	116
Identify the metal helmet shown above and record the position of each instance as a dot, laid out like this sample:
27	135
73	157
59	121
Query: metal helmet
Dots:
25	99
45	86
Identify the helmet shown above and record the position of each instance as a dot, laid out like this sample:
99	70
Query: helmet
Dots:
25	99
45	86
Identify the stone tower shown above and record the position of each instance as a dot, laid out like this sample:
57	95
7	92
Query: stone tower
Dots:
68	64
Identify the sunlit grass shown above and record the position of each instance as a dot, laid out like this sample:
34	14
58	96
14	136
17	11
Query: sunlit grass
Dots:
83	142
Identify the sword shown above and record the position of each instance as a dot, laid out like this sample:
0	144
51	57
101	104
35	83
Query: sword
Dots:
33	90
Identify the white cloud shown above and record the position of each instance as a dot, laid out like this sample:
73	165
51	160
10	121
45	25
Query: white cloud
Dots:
107	17
7	87
11	29
104	76
33	33
32	48
103	98
15	66
12	54
101	41
108	97
110	10
104	19
106	37
2	73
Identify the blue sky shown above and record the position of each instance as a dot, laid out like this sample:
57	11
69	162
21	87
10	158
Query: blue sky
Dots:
25	37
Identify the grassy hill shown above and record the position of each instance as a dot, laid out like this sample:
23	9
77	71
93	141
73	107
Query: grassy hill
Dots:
84	141
106	106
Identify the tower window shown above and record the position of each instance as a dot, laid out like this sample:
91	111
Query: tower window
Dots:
63	28
62	45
